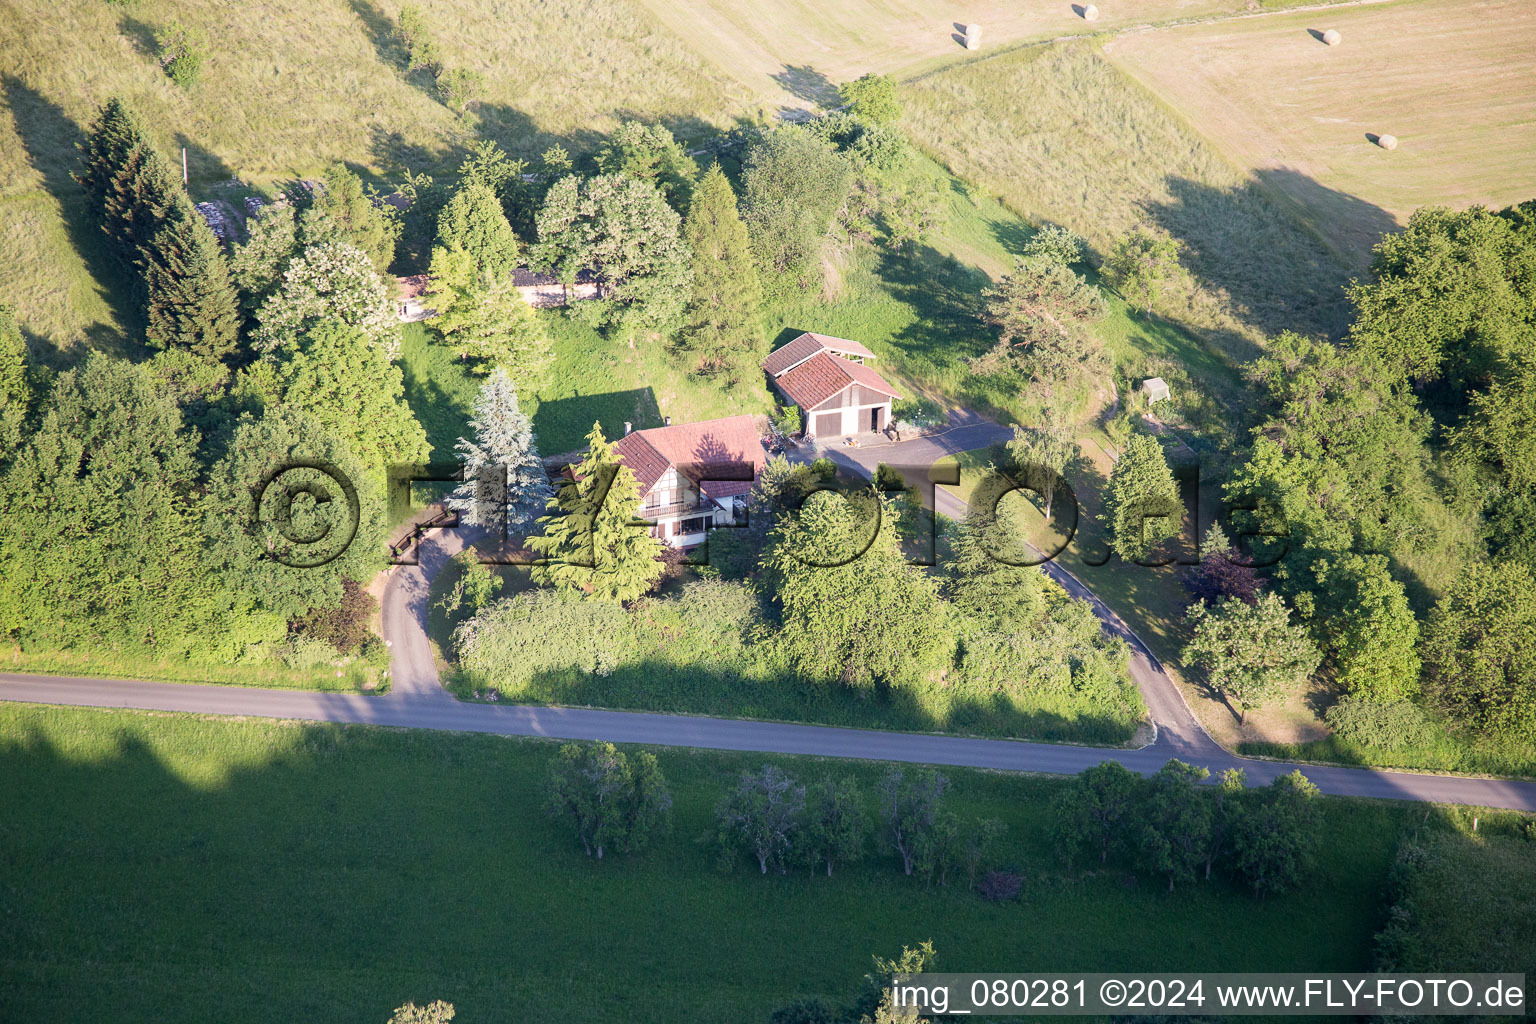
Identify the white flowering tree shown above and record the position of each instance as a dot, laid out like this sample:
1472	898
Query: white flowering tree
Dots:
331	282
504	444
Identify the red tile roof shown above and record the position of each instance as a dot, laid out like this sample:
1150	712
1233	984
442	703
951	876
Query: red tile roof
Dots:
709	447
808	344
824	375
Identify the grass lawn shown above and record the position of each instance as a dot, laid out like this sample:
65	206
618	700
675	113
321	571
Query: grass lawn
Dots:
356	676
179	868
1449	79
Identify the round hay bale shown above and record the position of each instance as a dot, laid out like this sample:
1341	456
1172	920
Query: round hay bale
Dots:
1090	12
1387	141
1332	37
973	37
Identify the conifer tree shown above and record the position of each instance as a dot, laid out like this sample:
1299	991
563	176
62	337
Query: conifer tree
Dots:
489	321
988	577
722	331
116	134
505	485
344	212
591	539
192	302
1143	503
473	225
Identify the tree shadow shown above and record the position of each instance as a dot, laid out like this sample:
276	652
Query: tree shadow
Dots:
141	36
1277	271
383	33
804	82
444	416
202	164
49	138
1352	224
562	424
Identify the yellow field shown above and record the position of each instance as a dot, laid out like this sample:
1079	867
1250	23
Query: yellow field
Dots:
1453	80
796	52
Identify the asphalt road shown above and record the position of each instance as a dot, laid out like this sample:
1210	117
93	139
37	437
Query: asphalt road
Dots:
416	700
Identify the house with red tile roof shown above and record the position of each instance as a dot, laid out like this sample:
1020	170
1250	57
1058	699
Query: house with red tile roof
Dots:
832	383
693	476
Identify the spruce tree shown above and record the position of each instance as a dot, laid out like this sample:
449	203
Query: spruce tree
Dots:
192	302
116	134
473	224
505	486
723	331
591	539
132	187
1143	503
490	322
987	578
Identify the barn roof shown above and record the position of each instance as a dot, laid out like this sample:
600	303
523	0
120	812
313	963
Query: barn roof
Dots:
823	375
696	449
797	351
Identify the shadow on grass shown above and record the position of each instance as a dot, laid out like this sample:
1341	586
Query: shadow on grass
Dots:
49	138
562	423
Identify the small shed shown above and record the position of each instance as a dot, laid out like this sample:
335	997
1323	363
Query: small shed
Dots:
1156	390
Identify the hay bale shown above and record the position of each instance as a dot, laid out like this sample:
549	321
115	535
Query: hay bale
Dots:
1090	12
973	37
1332	37
1387	141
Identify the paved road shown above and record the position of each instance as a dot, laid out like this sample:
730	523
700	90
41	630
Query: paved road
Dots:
417	701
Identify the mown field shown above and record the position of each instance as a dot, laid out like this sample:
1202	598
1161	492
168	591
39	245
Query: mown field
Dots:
1450	79
174	868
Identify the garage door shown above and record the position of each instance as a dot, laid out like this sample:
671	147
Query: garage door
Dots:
828	424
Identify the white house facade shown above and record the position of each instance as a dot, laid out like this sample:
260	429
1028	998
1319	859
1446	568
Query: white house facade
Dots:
693	476
839	395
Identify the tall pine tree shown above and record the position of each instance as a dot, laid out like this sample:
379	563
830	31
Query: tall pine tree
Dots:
505	486
192	302
591	538
723	331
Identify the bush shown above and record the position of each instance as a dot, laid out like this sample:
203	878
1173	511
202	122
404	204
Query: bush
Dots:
789	420
460	87
1056	244
1393	724
303	653
515	640
182	52
345	626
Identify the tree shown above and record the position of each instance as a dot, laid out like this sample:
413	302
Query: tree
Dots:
1500	428
986	579
1480	649
491	323
649	153
460	87
872	98
1361	617
793	185
1176	822
257	266
1445	297
1143	504
329	282
764	816
279	519
435	1012
126	182
1056	244
593	541
876	1003
15	383
417	39
851	609
613	803
1274	837
1043	313
356	394
1225	813
1041	453
1221	572
723	330
103	532
505	486
474	240
624	233
192	302
835	824
182	50
1250	651
1139	265
343	212
1094	810
911	807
